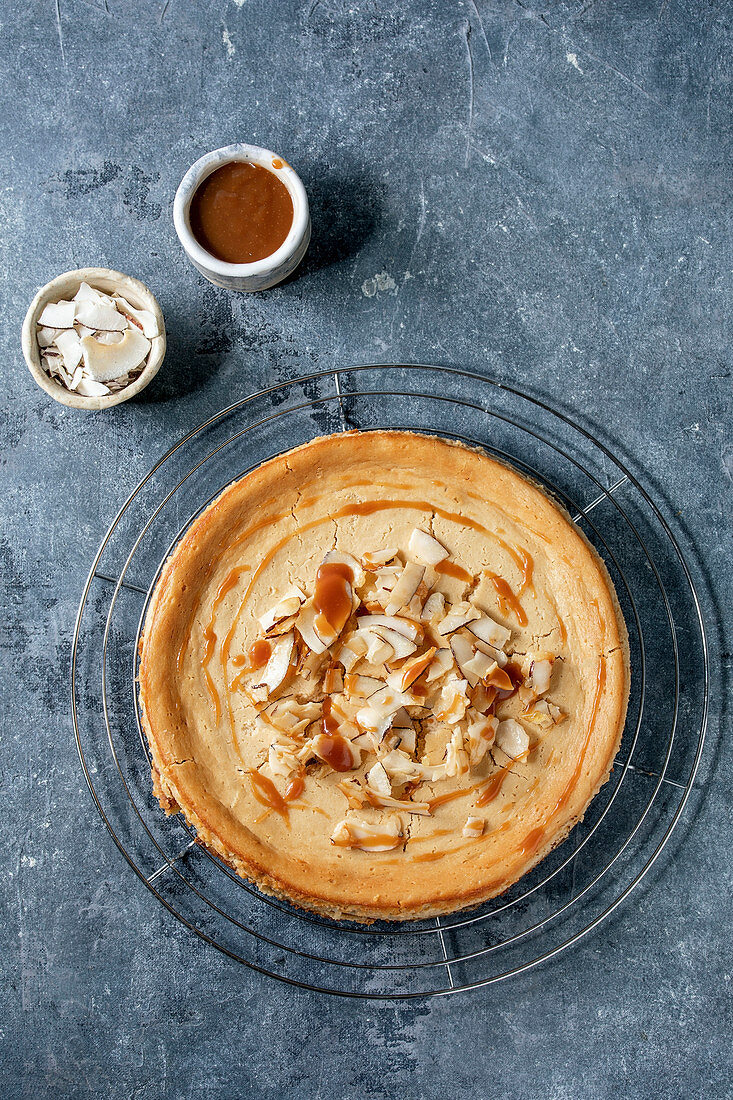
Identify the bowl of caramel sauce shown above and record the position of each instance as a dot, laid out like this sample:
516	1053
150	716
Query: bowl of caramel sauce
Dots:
242	216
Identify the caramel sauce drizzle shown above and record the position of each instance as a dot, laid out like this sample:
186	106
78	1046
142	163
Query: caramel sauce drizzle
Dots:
449	796
523	560
507	600
294	788
493	787
333	748
332	596
430	836
258	654
499	678
532	841
450	569
209	636
268	795
430	857
380	840
210	639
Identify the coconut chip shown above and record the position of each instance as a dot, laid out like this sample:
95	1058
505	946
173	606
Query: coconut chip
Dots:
95	344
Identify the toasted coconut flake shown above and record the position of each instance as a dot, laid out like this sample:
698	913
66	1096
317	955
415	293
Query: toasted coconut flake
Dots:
393	622
69	345
382	836
367	742
87	293
442	663
278	665
101	317
480	736
76	378
413	668
352	651
379	651
459	615
144	319
378	557
497	655
388	802
353	792
107	361
333	681
47	336
434	608
425	549
402	769
291	716
379	713
58	315
489	631
402	647
474	827
453	701
406	738
305	624
456	760
463	652
362	687
286	607
405	588
497	678
479	665
483	698
540	675
378	780
282	760
544	714
87	387
512	739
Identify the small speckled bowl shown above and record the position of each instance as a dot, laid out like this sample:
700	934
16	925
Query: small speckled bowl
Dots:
65	287
260	274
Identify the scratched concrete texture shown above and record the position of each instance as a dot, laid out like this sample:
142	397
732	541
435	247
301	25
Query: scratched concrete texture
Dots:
539	191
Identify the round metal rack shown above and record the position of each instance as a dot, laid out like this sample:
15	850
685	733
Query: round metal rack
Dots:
628	823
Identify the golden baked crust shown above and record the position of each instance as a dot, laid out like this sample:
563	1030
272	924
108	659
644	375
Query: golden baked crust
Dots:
270	530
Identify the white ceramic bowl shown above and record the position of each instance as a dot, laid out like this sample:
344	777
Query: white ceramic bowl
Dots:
260	274
64	287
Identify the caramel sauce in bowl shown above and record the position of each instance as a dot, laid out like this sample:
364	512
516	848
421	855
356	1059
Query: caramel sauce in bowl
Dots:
261	198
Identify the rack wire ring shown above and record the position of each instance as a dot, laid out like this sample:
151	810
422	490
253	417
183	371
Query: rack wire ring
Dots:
156	881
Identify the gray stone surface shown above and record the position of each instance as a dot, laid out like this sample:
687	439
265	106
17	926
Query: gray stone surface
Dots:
538	191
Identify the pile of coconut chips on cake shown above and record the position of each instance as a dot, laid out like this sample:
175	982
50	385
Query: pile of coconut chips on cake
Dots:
95	344
404	690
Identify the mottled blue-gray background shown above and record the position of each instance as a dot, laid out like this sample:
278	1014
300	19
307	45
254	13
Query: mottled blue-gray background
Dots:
536	190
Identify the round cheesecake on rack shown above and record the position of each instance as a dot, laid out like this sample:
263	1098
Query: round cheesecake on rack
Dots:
382	676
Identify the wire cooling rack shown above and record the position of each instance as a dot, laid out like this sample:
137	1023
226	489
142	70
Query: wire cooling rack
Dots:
628	823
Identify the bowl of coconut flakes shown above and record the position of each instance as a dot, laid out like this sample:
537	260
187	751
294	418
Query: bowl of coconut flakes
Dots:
94	338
